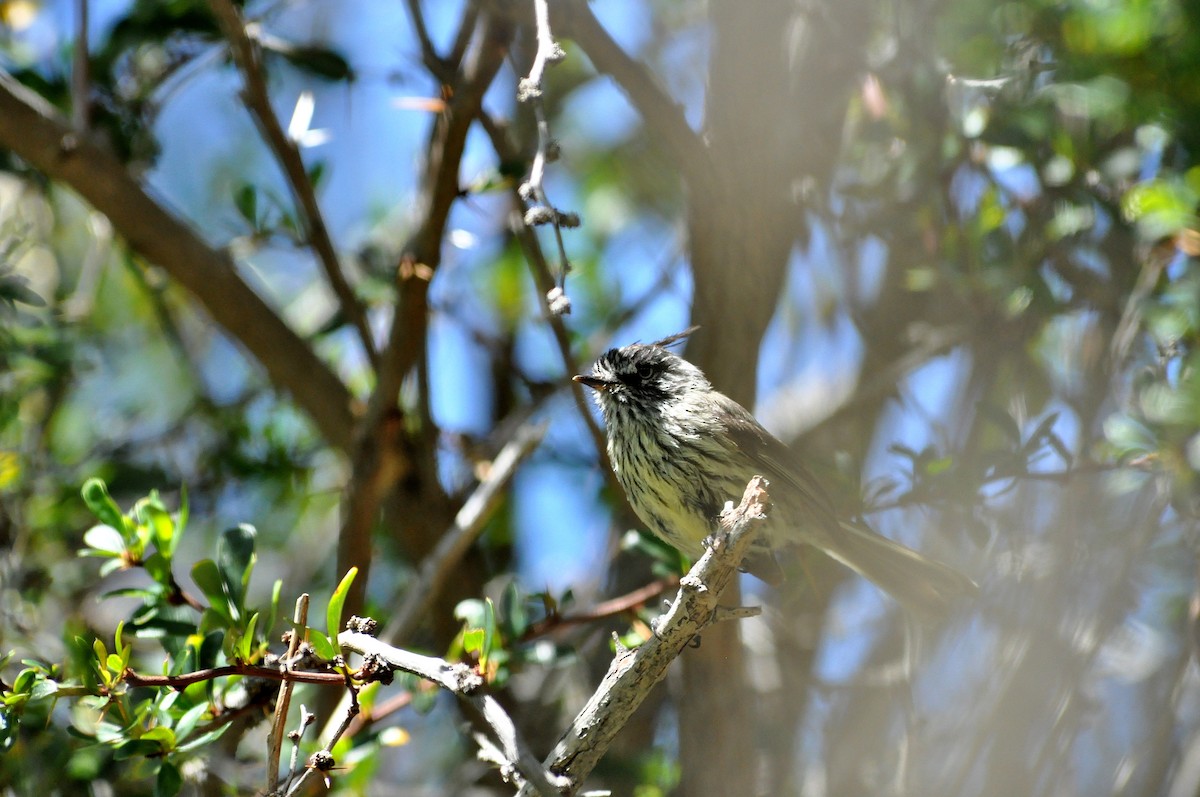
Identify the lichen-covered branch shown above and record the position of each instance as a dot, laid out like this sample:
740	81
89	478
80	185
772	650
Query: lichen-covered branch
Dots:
633	673
32	129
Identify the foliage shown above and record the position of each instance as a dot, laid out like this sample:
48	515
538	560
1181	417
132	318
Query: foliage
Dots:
156	731
975	231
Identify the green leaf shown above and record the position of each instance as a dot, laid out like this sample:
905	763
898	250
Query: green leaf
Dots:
162	734
204	739
235	559
314	58
333	612
181	522
25	680
163	624
489	632
43	688
273	613
208	579
95	495
514	610
158	568
473	641
1160	207
245	646
322	645
938	466
162	529
245	199
100	650
15	288
316	173
15	700
470	611
118	643
187	723
133	748
169	782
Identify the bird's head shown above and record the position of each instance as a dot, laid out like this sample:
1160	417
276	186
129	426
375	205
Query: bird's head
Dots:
643	378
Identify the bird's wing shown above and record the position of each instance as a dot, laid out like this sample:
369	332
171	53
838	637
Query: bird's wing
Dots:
778	463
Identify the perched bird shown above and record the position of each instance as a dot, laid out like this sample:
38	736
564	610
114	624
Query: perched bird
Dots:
681	450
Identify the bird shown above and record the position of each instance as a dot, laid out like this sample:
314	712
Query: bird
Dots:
681	449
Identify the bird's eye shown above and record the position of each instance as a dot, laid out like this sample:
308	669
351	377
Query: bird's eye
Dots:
645	372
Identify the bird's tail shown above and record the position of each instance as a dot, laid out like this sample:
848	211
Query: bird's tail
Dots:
928	589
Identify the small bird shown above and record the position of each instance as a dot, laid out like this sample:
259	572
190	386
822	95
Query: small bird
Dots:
681	450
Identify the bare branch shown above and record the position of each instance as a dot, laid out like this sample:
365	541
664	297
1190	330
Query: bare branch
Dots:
506	151
32	129
349	712
613	607
541	210
548	53
633	673
464	682
299	623
468	525
422	254
662	114
287	153
429	56
460	679
132	678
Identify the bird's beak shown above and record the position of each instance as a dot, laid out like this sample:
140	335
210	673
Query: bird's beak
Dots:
594	382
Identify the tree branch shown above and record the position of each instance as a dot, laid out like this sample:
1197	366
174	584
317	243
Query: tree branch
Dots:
661	113
468	525
254	95
507	152
633	673
422	254
279	720
31	128
132	678
613	607
465	683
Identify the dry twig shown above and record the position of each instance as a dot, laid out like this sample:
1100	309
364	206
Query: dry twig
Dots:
287	153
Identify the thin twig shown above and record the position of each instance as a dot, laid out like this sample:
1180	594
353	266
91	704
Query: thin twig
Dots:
469	523
1062	477
408	335
506	151
613	607
661	112
299	624
132	678
541	210
633	673
287	153
548	51
349	713
429	56
515	749
380	711
464	682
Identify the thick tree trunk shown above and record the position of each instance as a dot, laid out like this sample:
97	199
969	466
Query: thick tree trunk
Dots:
779	81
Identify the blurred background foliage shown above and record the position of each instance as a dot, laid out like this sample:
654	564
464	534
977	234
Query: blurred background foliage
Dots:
979	325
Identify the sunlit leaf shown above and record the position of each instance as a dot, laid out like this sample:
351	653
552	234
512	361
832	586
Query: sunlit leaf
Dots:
333	613
95	495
